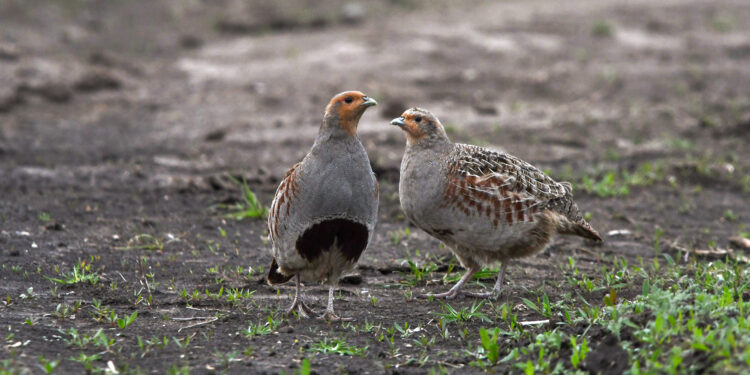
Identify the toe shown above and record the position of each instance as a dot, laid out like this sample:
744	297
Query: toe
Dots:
300	309
446	295
480	294
332	317
306	309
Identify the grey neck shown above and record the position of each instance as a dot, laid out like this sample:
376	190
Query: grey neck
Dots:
332	135
433	143
331	129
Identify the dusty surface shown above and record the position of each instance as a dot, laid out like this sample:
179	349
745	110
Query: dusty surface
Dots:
125	118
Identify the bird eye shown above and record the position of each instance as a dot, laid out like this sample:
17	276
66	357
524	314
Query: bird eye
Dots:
418	119
348	99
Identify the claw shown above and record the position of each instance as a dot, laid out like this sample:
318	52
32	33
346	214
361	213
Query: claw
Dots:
451	294
460	293
332	317
303	310
489	295
456	291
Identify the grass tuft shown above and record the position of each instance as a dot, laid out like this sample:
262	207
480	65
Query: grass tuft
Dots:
337	346
602	29
80	273
250	207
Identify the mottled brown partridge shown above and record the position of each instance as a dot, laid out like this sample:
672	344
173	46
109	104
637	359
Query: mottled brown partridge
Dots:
324	211
487	206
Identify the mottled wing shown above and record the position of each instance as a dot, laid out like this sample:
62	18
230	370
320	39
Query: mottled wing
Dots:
283	202
499	186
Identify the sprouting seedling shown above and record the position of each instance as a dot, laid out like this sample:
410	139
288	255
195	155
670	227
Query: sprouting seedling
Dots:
250	207
127	320
489	344
450	314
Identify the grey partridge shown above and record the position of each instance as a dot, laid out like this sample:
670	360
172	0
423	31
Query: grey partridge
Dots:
486	206
324	211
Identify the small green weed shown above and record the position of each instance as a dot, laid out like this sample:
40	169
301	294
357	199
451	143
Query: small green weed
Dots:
80	273
417	274
250	207
602	29
336	346
48	366
127	320
464	314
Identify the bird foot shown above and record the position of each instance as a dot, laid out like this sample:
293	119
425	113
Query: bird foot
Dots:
302	309
451	294
331	316
493	294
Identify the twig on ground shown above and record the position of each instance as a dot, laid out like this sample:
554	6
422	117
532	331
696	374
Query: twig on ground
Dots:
716	253
534	322
197	309
193	318
208	320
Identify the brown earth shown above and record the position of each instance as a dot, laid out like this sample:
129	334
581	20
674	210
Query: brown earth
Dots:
119	119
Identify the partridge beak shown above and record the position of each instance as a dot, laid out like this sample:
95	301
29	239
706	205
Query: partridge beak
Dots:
398	121
369	102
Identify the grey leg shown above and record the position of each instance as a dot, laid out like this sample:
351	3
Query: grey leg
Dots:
496	289
298	303
330	315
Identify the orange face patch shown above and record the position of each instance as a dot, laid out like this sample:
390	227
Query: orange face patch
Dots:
348	108
413	132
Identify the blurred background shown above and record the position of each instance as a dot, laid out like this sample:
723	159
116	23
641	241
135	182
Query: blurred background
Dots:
232	83
124	126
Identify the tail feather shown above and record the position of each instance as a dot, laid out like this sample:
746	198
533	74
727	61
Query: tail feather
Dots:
572	221
276	277
581	229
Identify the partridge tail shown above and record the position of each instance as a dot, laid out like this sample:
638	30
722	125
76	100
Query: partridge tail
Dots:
572	222
581	229
276	277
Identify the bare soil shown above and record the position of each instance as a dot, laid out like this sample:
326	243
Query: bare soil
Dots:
119	119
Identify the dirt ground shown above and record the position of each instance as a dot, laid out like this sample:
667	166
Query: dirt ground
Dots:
120	123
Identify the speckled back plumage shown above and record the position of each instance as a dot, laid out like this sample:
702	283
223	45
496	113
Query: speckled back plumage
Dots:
506	189
498	185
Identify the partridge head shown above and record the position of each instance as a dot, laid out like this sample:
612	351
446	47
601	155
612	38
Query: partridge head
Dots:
344	111
421	127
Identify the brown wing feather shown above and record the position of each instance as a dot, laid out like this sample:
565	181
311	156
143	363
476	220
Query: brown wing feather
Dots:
282	201
498	185
280	207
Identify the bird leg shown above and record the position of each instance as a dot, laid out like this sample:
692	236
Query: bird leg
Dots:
298	303
496	289
456	290
330	315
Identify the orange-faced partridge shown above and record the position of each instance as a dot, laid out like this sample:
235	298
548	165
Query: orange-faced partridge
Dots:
324	211
487	206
